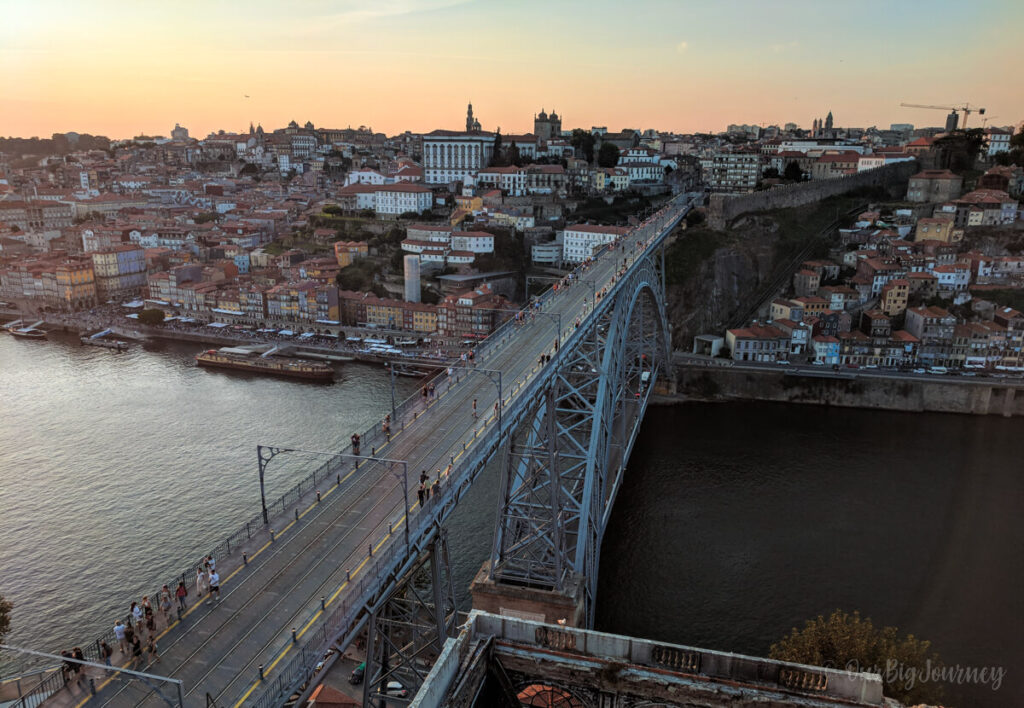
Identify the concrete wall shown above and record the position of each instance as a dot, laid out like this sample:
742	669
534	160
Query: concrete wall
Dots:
723	208
937	396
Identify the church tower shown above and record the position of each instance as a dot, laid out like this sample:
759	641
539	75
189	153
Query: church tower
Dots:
469	118
828	123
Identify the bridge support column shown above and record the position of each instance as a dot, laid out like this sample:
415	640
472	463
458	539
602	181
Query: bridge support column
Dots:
538	605
409	627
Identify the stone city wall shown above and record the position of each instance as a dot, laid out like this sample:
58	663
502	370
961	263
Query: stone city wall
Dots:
723	208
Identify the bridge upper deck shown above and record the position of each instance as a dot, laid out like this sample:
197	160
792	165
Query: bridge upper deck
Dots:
324	564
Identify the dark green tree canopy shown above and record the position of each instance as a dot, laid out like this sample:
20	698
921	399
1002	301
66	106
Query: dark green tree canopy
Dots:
151	317
608	155
847	641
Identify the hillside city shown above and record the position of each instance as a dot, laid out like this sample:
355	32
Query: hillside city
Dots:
303	230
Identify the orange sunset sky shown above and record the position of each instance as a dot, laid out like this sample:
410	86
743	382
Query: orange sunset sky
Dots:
123	68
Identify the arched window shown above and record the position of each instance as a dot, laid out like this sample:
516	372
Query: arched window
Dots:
539	695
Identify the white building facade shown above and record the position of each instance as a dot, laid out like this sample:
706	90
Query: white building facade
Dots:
579	240
452	156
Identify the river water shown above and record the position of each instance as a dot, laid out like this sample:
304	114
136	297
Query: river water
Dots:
735	522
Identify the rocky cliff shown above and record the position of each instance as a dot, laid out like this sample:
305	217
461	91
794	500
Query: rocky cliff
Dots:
711	275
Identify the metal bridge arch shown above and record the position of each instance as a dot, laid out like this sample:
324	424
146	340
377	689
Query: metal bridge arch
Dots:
565	458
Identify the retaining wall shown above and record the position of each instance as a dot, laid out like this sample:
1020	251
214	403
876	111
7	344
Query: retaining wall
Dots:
938	395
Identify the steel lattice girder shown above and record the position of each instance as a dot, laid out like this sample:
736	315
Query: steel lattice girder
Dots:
408	629
565	461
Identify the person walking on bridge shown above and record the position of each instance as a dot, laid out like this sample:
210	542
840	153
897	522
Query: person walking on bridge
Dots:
355	443
421	493
474	408
119	635
214	586
181	593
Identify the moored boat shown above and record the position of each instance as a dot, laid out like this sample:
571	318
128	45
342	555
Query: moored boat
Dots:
273	365
28	333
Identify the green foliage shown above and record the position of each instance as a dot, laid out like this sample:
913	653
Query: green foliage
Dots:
771	173
793	173
846	641
621	208
960	149
5	617
1006	298
206	217
429	297
685	256
275	248
359	276
151	317
608	155
694	217
333	210
583	141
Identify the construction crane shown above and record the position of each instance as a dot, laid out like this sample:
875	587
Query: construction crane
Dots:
966	108
986	119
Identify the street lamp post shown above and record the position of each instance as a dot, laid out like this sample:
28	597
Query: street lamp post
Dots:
490	374
265	453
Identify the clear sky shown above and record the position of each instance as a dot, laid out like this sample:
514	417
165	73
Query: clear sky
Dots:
125	67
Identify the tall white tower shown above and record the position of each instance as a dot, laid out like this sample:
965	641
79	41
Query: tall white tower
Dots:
412	278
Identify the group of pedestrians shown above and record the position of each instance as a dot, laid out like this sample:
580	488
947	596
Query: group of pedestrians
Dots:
208	580
136	637
427	488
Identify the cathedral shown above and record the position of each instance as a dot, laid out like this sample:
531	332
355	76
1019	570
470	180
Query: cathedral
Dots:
546	127
823	129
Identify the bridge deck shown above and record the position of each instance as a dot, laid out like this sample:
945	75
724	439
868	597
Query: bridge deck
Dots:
217	649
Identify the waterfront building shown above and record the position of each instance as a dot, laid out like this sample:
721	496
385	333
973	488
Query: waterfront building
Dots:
119	271
470	314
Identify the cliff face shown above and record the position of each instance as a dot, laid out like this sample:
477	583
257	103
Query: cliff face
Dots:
711	275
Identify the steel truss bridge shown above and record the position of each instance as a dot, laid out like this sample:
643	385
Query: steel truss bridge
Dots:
556	394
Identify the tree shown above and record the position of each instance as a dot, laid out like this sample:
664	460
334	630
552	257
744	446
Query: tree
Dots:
496	154
5	617
608	155
771	173
151	317
694	217
583	141
793	173
846	641
333	210
960	149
